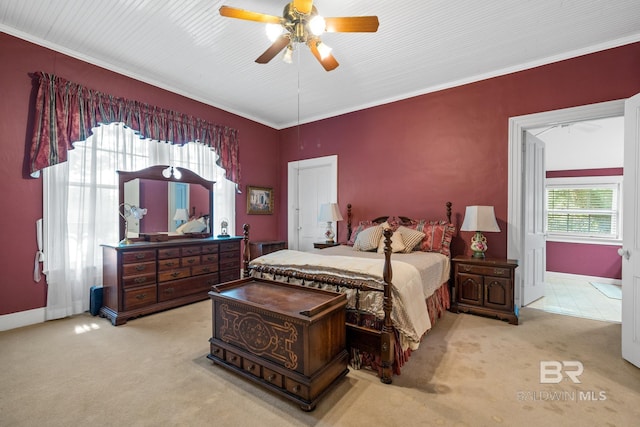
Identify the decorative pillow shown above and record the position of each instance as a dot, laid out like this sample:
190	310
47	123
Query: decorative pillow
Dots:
368	239
397	243
363	225
410	237
438	235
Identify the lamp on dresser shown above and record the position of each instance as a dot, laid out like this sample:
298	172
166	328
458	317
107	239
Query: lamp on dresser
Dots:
329	212
479	219
181	215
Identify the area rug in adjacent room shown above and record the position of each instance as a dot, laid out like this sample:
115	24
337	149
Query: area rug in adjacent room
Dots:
609	290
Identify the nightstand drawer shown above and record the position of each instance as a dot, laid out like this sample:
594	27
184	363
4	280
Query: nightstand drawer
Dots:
484	270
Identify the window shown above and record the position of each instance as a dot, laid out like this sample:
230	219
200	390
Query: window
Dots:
584	209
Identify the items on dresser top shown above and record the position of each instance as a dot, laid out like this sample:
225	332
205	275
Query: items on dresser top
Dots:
147	277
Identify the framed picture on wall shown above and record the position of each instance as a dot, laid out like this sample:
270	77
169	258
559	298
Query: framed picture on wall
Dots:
259	200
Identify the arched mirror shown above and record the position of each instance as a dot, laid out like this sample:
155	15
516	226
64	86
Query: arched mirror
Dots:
178	203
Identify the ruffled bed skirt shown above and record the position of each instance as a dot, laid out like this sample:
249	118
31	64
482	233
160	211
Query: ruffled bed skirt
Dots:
437	304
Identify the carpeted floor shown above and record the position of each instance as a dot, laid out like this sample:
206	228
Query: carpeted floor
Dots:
469	371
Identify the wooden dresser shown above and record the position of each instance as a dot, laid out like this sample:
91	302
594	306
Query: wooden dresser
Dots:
146	277
288	338
485	286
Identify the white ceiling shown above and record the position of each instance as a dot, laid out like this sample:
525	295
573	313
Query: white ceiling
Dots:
421	46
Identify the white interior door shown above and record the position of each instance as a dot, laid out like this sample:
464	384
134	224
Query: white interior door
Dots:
312	182
535	250
630	251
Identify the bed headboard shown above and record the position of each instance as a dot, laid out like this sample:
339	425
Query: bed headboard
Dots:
382	219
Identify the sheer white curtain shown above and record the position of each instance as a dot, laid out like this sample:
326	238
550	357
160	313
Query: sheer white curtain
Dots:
80	206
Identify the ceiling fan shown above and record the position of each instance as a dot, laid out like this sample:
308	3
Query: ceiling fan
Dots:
301	23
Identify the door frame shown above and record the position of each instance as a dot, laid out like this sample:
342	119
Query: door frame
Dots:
292	191
517	126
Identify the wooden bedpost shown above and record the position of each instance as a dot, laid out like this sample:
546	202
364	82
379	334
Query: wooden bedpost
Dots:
246	254
349	230
388	338
449	212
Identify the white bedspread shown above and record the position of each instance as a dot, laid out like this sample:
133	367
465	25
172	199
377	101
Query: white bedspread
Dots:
415	277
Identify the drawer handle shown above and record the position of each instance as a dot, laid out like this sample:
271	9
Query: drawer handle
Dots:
233	358
216	351
140	256
466	267
499	271
271	377
206	270
140	267
296	388
169	291
252	367
191	261
175	274
139	280
169	263
141	296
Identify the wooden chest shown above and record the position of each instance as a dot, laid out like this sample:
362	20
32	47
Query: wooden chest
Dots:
288	338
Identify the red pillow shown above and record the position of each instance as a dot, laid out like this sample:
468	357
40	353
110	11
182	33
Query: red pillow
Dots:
438	235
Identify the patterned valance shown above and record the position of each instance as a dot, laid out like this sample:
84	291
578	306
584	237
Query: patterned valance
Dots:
65	112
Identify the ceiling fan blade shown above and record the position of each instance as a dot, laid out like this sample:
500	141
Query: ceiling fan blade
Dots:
352	24
232	12
329	62
280	43
303	6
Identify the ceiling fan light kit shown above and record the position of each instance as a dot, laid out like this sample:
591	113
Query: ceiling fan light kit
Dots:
301	23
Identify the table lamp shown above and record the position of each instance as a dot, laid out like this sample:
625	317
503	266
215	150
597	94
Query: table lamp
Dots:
479	219
329	212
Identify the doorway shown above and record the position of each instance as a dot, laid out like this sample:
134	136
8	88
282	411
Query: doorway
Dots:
582	277
517	214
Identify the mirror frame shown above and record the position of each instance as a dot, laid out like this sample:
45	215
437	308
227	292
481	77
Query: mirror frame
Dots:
155	173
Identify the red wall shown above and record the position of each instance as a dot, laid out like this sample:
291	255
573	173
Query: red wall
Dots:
410	157
22	196
404	158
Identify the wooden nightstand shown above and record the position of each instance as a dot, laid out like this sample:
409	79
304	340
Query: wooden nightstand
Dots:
322	245
484	286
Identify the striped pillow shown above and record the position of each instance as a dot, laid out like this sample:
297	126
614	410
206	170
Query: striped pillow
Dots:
410	237
368	239
397	243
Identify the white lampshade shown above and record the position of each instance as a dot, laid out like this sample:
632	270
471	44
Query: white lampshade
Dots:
480	218
181	215
329	212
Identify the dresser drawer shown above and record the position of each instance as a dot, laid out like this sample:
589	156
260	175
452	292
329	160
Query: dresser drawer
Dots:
192	285
233	358
484	270
204	269
210	258
138	256
188	261
229	275
230	246
168	264
165	253
139	297
143	279
178	273
210	249
191	250
138	269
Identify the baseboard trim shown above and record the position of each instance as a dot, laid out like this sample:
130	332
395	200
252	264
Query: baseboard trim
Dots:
606	280
22	318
